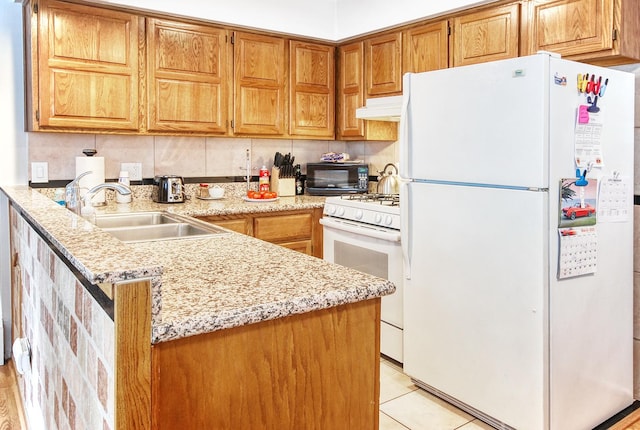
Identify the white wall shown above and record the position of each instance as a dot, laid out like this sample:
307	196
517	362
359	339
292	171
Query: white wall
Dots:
13	164
330	20
13	143
355	17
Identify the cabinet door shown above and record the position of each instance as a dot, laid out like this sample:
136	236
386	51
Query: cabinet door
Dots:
187	77
571	27
383	65
312	100
350	90
426	48
259	79
87	67
487	35
283	228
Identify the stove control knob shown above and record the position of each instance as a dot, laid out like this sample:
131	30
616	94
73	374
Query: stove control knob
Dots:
359	214
331	209
340	211
378	219
388	220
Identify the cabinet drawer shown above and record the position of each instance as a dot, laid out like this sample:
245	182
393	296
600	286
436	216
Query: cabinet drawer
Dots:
283	228
303	246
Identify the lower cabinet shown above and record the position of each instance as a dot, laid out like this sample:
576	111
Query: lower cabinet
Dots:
299	230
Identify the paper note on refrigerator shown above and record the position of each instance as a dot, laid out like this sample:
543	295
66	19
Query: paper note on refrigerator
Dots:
614	199
588	144
578	251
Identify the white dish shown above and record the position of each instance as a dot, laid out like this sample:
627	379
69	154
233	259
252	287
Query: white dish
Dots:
210	198
247	199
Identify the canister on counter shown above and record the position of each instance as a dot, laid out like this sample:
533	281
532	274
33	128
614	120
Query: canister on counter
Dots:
263	179
203	191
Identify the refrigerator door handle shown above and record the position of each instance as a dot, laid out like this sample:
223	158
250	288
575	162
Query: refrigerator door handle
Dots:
405	223
403	166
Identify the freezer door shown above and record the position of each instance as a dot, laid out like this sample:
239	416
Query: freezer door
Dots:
485	123
474	306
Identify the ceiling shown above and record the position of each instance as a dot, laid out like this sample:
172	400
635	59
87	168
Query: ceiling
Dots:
331	20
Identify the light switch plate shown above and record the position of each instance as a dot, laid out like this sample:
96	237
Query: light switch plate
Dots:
39	172
134	169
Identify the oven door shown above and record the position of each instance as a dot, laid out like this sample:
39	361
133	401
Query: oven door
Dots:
375	251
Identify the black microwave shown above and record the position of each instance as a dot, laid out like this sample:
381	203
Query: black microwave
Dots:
330	179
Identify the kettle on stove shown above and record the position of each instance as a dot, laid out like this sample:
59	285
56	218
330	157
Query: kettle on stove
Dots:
168	189
388	182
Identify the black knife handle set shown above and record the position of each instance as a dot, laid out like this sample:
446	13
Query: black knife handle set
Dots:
285	165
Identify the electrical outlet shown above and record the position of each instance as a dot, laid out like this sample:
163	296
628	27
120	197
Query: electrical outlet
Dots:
134	169
40	172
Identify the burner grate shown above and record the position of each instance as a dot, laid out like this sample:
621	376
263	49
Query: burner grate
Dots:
383	199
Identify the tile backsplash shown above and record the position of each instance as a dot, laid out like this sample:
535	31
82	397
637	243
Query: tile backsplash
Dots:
192	156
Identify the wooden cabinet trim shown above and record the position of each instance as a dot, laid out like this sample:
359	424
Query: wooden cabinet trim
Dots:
132	321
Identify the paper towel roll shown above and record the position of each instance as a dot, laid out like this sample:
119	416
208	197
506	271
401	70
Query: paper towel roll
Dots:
95	165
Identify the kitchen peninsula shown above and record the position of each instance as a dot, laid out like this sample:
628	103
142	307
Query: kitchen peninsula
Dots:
224	332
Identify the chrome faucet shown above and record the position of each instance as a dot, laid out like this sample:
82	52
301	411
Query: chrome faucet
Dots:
116	186
74	202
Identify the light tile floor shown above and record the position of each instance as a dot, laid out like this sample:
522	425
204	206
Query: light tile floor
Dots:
403	406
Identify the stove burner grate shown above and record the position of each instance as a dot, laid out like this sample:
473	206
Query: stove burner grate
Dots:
383	199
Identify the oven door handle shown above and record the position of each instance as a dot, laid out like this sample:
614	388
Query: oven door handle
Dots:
391	236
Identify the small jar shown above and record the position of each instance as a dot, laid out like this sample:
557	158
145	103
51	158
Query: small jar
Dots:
203	191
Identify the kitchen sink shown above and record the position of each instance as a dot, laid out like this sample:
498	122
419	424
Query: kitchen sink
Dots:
154	226
134	219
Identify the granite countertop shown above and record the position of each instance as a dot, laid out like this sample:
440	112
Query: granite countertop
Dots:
201	284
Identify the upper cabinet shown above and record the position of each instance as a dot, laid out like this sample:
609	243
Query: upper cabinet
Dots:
488	35
605	32
351	95
383	65
312	89
106	70
426	47
259	78
86	59
187	77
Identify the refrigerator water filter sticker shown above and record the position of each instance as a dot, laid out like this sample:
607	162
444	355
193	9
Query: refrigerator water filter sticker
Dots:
578	251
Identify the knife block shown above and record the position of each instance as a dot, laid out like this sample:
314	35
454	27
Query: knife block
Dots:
283	186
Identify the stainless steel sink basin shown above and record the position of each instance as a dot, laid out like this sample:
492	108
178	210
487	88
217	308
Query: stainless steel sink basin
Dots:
134	219
154	226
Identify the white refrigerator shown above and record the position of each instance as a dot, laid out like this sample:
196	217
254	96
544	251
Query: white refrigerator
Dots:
504	316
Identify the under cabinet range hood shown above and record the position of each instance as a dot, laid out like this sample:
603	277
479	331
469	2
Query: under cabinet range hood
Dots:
381	109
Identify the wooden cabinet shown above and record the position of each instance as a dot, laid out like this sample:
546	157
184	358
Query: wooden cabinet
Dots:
299	230
604	32
350	96
426	47
187	77
86	60
312	89
315	370
383	65
487	35
259	80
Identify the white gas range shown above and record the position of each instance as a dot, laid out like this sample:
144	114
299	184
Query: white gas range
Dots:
362	231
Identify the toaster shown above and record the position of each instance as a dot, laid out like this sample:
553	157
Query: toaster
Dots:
168	189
